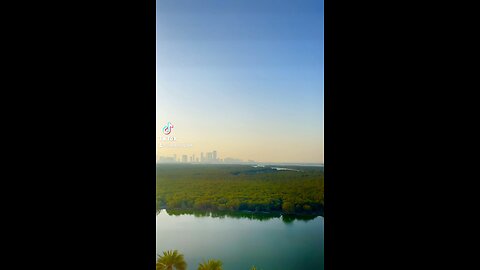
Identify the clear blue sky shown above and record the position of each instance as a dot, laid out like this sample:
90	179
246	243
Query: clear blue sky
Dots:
243	76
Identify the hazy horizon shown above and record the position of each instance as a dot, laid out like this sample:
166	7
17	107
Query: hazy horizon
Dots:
244	78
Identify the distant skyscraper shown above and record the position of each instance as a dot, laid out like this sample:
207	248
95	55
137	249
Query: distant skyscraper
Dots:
184	159
214	155
201	157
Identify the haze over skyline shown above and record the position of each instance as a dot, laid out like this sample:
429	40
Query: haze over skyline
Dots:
244	78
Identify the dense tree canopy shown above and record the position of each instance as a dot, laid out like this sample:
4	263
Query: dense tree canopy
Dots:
240	187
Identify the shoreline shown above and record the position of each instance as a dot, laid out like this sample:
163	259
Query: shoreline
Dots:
233	213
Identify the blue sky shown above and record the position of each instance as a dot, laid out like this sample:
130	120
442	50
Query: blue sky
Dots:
243	76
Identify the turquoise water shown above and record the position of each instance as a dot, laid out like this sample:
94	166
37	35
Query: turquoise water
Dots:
272	243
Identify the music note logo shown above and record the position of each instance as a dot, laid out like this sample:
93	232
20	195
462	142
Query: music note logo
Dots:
167	128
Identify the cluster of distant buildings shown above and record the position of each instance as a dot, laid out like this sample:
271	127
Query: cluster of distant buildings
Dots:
209	157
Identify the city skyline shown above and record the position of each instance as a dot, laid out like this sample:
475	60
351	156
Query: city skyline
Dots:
213	158
207	157
242	77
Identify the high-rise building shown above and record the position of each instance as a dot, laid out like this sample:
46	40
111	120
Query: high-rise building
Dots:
184	159
214	155
201	157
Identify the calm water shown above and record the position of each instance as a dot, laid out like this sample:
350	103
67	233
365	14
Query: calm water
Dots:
269	244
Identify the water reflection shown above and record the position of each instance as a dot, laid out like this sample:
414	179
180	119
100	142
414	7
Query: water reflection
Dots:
262	216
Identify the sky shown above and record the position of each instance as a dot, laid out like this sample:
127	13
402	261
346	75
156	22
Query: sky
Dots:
242	77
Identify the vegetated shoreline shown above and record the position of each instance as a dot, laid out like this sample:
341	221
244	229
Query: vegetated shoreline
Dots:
240	190
233	212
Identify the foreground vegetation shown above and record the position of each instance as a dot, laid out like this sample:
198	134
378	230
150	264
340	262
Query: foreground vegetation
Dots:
228	188
173	260
170	260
